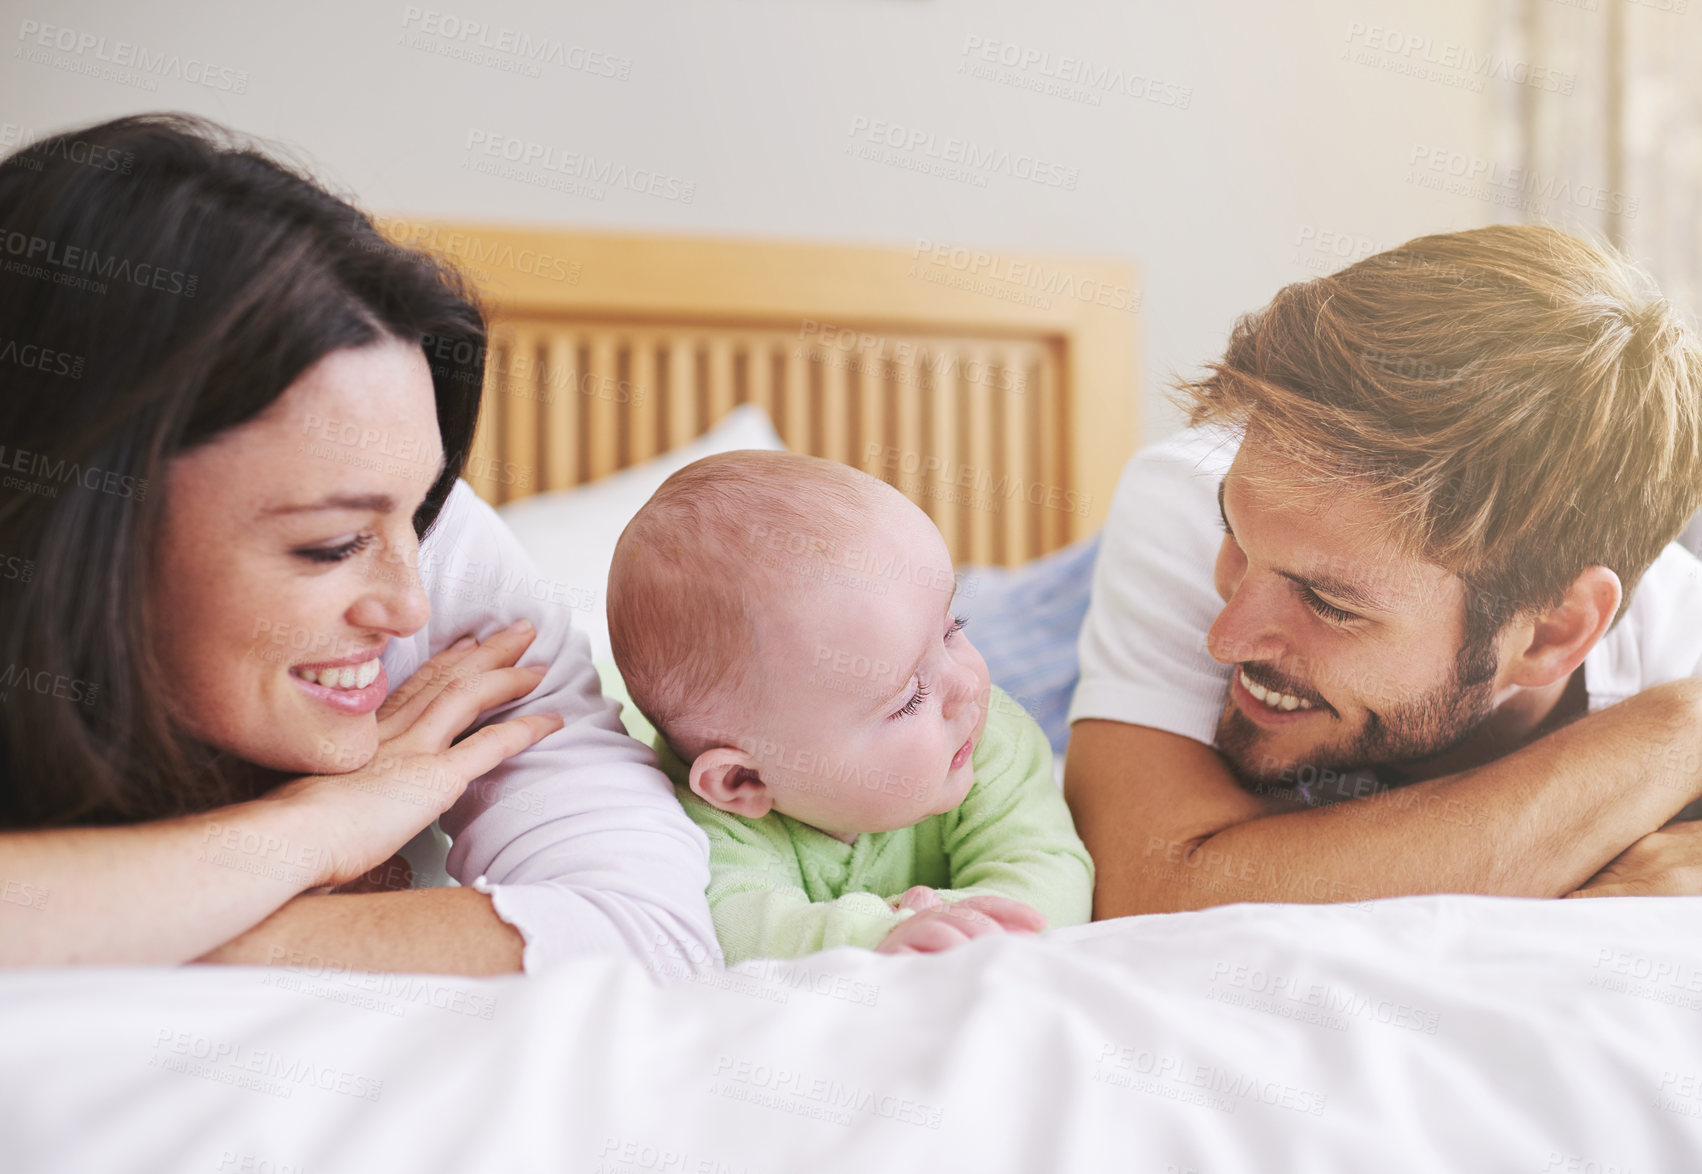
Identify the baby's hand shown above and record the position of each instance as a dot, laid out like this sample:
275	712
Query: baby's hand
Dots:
943	924
917	897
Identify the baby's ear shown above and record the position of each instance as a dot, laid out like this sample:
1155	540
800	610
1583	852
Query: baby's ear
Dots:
726	778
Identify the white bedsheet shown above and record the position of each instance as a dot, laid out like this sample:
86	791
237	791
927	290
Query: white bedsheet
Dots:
1425	1034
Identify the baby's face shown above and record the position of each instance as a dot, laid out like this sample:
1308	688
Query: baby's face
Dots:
875	700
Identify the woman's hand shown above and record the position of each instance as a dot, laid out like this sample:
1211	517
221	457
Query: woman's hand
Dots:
420	769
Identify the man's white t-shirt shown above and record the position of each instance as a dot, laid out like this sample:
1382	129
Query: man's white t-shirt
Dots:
1143	644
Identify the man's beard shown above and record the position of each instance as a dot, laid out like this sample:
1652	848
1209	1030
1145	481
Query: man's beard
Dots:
1402	734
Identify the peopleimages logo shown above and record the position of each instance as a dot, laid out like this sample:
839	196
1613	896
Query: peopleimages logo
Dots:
47	468
1466	174
1002	277
548	160
102	158
130	55
32	252
32	357
261	1069
48	684
951	157
467	35
1065	75
1422	56
476	250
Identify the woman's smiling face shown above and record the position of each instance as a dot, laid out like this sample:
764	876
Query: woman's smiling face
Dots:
287	561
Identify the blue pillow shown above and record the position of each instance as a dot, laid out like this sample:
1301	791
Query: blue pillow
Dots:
1026	623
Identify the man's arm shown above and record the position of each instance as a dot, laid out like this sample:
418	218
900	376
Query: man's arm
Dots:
1170	829
1664	863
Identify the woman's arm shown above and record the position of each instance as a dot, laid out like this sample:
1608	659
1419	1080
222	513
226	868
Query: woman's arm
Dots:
437	931
173	890
155	892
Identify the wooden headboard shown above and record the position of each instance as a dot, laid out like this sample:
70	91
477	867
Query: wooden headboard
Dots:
997	391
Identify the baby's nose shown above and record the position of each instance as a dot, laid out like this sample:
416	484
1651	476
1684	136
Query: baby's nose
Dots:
964	690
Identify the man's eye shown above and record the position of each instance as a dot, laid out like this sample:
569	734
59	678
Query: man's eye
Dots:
1326	610
336	554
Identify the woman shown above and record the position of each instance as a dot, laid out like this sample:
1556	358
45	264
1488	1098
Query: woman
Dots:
231	429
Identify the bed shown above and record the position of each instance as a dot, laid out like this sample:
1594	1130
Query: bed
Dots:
1445	1033
1431	1035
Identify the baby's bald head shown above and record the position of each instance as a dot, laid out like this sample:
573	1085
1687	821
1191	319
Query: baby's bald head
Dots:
704	562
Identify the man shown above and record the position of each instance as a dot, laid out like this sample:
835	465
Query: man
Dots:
1351	632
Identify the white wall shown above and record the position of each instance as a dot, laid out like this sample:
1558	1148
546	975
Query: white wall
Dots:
1284	136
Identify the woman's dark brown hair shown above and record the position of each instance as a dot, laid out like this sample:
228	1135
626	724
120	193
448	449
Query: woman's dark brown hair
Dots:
161	281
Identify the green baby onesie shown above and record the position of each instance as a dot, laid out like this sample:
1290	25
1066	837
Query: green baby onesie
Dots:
779	888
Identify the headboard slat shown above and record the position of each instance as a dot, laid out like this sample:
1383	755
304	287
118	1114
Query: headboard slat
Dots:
1045	421
794	422
941	443
602	404
643	437
560	463
975	422
720	372
1017	466
484	468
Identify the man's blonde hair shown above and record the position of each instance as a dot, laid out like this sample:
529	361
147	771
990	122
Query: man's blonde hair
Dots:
699	561
1521	404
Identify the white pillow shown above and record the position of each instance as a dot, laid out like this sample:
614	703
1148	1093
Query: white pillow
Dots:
571	534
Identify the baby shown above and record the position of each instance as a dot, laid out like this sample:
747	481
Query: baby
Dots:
785	622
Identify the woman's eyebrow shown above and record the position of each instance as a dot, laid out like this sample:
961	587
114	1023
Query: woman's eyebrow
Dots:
381	503
378	503
370	502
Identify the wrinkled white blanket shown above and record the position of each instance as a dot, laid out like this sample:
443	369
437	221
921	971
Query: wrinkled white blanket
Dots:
1424	1034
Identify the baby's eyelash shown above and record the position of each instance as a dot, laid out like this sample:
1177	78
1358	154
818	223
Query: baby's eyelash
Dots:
922	689
915	703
